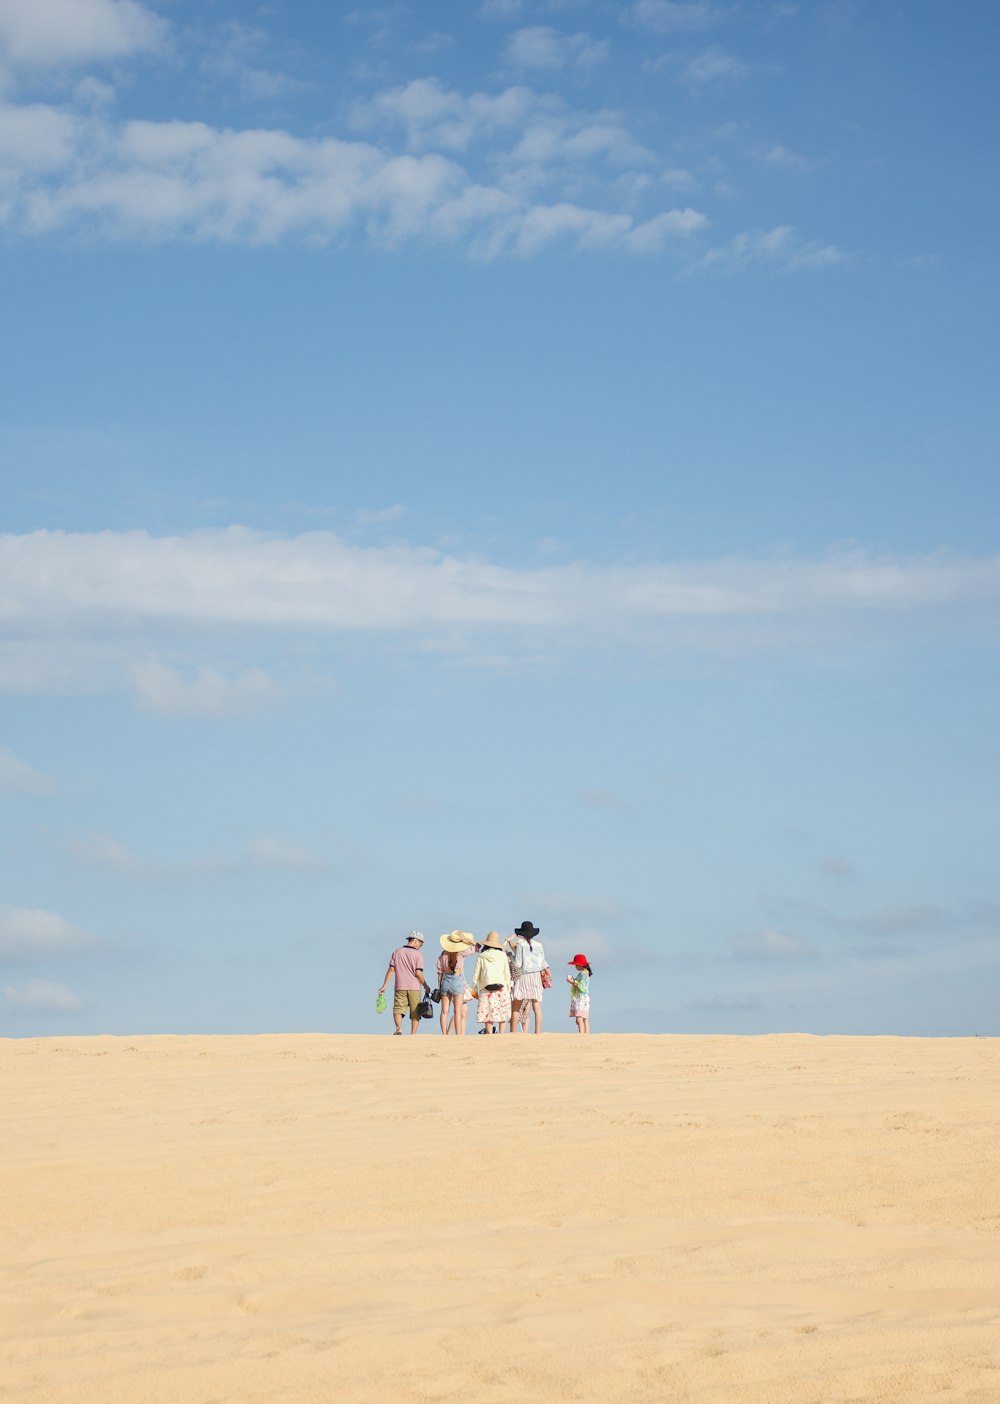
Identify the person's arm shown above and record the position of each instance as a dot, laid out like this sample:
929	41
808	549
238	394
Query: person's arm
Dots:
420	976
386	980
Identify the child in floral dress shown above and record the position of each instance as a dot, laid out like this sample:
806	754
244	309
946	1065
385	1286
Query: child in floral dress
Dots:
579	998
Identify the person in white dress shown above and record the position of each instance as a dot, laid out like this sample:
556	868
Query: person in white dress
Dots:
528	960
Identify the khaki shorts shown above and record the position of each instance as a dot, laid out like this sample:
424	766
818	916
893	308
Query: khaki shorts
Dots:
404	1000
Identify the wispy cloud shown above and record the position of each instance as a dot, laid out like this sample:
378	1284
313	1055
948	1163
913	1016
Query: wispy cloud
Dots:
713	67
42	996
238	58
906	919
673	16
204	692
19	778
67	170
767	946
779	156
266	853
779	249
120	582
33	934
541	47
82	609
368	518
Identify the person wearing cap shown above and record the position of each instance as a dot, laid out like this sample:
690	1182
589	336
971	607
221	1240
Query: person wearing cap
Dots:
528	961
451	979
406	965
491	984
579	997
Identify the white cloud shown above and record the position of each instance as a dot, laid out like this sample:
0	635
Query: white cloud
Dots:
713	66
123	582
206	693
92	602
541	47
17	777
669	16
63	33
435	116
781	248
654	233
35	137
42	996
500	9
380	516
160	180
772	946
235	57
107	854
30	933
781	157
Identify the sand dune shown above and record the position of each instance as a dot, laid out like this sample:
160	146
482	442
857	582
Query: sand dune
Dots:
309	1218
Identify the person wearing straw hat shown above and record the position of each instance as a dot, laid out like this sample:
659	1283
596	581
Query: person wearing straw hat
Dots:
451	979
528	959
491	984
406	965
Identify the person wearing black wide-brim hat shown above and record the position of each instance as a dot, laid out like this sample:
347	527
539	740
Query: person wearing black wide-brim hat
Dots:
528	960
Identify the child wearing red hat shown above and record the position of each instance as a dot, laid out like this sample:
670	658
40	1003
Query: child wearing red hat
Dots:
579	998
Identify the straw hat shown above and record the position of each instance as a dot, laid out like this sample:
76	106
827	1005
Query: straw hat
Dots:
458	941
493	942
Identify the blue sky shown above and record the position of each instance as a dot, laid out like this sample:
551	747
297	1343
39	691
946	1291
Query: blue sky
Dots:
466	463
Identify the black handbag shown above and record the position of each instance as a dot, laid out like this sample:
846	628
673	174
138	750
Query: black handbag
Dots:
436	995
425	1010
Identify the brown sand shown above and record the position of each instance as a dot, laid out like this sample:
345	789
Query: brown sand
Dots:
345	1219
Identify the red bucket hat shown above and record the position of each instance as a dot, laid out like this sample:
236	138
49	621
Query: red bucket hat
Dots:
578	960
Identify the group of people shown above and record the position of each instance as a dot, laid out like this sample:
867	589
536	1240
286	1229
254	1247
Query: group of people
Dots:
508	982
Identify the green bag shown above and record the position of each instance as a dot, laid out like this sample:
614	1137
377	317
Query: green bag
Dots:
380	1004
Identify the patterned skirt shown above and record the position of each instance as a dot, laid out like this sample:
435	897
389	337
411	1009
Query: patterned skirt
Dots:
528	986
494	1007
579	1007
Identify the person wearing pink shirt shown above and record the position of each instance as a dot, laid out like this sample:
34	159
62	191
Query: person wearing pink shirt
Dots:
406	965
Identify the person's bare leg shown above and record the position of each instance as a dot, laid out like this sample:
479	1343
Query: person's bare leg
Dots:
586	1024
397	1019
414	1025
536	1005
444	1013
462	1008
515	1010
579	1024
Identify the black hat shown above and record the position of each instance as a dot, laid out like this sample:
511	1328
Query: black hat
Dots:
526	929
